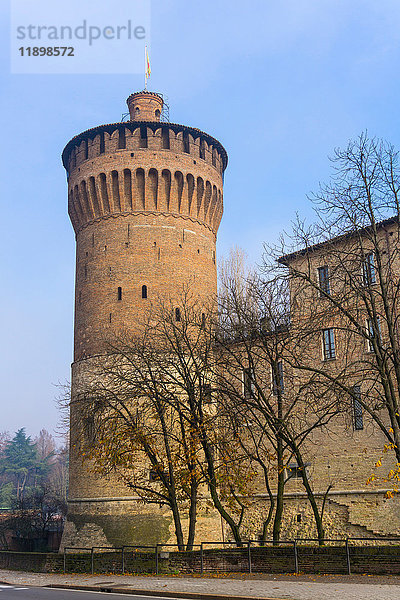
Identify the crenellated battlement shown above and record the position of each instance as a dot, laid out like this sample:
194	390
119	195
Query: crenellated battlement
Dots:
135	135
144	167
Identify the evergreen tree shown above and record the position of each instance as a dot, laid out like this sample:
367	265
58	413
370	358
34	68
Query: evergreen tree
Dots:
19	463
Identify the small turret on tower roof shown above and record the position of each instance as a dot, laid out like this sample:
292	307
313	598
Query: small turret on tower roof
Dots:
145	106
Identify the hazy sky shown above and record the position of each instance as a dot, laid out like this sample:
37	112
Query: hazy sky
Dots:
280	84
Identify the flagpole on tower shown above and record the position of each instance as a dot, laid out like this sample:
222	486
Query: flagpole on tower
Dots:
147	68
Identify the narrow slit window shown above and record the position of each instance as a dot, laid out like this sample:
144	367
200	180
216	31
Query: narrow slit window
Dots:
144	291
119	293
177	314
357	409
329	344
203	321
323	280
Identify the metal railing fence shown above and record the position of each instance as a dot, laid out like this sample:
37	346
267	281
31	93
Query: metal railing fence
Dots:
212	551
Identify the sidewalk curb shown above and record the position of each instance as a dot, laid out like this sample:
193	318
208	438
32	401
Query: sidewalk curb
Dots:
156	593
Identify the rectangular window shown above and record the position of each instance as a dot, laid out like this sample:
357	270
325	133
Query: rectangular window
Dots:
369	269
371	331
329	344
155	475
323	280
277	378
248	384
357	409
293	471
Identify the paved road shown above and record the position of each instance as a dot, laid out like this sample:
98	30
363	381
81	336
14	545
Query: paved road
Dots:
282	587
11	592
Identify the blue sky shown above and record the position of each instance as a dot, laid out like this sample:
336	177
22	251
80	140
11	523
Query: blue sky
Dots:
279	84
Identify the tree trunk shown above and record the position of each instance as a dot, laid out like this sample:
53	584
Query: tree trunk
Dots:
267	521
279	497
212	486
192	516
177	522
311	498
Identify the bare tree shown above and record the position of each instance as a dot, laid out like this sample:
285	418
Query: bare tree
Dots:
152	406
45	445
277	411
343	274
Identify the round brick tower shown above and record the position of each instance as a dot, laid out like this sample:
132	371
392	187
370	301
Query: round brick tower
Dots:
145	202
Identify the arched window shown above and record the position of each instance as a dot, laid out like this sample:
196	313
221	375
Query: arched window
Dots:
177	314
157	113
144	291
120	293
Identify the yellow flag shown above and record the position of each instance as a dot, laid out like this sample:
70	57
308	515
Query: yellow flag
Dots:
148	68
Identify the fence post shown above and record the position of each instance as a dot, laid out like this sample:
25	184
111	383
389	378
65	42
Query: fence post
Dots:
296	560
156	559
348	557
249	554
92	559
65	561
123	560
201	559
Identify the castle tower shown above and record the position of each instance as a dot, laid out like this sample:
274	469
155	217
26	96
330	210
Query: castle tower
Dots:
145	202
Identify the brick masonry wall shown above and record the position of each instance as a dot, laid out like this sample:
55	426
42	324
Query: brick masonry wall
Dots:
371	560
